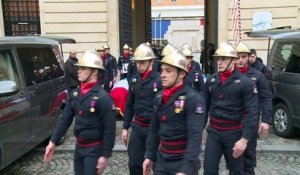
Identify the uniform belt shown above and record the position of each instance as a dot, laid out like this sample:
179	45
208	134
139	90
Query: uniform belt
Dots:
88	142
145	122
225	125
173	147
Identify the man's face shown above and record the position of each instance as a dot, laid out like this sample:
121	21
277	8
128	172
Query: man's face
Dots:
170	75
223	63
143	65
189	59
73	54
242	60
106	51
252	58
83	73
125	51
101	53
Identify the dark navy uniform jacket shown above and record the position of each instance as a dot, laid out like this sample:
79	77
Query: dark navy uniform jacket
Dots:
131	70
96	125
232	100
123	61
194	78
140	100
264	93
178	124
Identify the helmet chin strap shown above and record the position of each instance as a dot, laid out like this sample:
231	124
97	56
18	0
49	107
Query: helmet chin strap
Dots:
176	78
147	67
228	65
88	77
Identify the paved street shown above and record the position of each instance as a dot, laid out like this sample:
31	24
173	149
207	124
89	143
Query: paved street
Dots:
276	156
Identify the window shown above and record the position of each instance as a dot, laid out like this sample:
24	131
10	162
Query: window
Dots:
39	64
21	17
8	70
287	57
173	1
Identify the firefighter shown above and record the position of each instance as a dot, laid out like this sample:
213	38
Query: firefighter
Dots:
229	97
124	60
95	120
101	51
265	102
139	107
168	49
111	67
177	123
194	77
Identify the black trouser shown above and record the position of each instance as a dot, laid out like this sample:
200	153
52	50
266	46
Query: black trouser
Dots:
86	159
218	143
171	167
136	149
250	156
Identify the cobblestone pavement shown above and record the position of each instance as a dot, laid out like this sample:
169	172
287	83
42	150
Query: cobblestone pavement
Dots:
31	164
276	156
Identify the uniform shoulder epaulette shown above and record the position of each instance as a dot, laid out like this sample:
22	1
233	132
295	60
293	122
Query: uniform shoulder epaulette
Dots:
75	92
212	78
214	75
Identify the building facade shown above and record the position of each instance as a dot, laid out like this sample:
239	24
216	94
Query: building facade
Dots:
178	22
235	17
91	23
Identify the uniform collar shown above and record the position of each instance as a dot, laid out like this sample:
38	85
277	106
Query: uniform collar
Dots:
87	87
179	92
152	75
243	70
234	75
94	89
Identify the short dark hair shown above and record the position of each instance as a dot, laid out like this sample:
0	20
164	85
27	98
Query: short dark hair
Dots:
253	51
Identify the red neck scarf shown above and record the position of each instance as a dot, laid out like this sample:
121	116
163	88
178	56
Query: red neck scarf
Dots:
86	87
126	55
190	67
224	75
145	74
168	92
243	70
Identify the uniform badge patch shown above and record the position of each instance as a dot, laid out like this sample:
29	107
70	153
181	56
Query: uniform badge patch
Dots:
181	97
92	104
255	90
199	109
237	81
196	76
155	87
177	106
134	80
75	94
95	98
213	80
253	78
